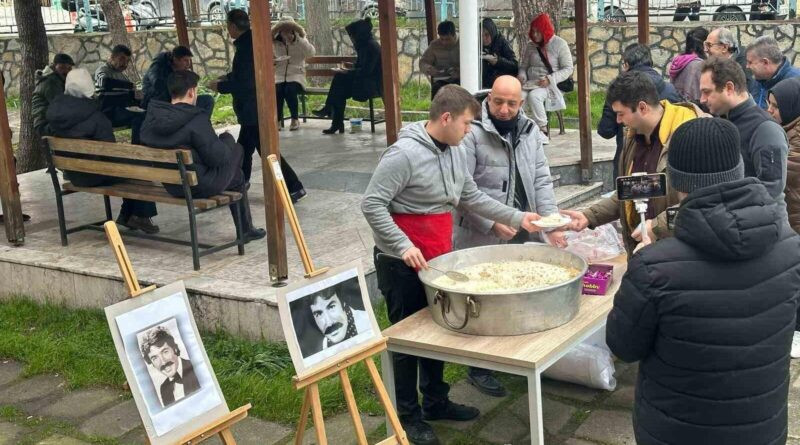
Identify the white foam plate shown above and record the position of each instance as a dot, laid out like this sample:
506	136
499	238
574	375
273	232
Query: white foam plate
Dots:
563	222
282	58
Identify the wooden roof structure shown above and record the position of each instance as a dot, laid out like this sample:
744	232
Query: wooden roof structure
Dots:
270	143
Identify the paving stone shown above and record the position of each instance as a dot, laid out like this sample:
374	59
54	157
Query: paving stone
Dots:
31	389
252	431
9	433
80	404
573	441
626	373
62	440
503	428
623	396
9	371
339	429
555	415
463	392
610	427
569	390
113	422
794	408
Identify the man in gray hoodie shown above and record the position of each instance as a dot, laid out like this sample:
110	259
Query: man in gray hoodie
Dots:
408	203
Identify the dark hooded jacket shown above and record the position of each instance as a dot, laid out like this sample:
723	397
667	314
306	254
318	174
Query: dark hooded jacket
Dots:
506	59
154	83
367	71
241	81
183	125
787	95
49	84
710	314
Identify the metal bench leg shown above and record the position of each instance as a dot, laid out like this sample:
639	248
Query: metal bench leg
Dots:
107	203
62	223
237	221
371	115
305	109
560	116
193	233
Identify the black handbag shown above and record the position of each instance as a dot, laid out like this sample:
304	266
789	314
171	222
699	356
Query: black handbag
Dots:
566	85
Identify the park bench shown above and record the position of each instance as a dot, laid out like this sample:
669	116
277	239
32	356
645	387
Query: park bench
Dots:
141	171
326	72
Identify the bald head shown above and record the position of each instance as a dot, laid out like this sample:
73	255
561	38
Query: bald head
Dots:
505	99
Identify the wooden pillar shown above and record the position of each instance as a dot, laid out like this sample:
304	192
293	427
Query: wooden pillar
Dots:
584	98
430	19
9	188
268	135
180	22
391	79
644	22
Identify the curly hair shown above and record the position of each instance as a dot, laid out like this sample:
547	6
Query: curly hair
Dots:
157	337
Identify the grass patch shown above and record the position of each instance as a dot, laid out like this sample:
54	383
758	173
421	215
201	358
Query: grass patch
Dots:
76	343
12	103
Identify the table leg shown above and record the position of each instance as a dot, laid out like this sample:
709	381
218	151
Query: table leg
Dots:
388	380
535	408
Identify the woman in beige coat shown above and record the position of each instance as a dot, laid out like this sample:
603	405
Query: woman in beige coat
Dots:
291	51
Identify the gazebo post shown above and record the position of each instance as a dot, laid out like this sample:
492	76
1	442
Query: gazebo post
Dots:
9	188
584	94
180	22
644	22
268	135
391	78
430	19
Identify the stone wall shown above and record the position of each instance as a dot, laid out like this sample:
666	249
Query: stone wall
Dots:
213	49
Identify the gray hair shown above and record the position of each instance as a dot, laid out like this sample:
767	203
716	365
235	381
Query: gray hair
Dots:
766	47
727	38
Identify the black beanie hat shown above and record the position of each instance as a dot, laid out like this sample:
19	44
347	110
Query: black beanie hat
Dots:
787	95
704	152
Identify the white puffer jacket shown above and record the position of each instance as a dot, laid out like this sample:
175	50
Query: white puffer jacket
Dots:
294	69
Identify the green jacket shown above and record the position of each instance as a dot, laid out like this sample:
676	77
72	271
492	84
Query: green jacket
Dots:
49	84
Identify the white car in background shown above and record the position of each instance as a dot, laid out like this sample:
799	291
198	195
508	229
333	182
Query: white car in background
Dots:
717	10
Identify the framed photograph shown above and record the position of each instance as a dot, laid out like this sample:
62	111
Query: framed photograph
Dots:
325	316
165	363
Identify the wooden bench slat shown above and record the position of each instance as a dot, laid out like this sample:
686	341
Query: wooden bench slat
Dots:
320	72
118	150
155	189
153	194
164	176
330	59
316	90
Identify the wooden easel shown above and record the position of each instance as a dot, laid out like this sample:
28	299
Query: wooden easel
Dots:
222	425
309	383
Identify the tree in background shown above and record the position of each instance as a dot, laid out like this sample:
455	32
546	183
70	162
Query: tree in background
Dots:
318	26
526	10
119	32
33	48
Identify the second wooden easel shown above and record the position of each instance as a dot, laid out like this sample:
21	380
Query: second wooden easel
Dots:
221	426
309	383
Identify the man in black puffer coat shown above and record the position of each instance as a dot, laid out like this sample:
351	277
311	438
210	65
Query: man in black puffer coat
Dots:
76	115
217	159
710	312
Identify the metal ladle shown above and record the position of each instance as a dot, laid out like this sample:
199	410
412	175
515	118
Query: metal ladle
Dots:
453	275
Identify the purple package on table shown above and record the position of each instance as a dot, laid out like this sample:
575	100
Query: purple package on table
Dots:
597	279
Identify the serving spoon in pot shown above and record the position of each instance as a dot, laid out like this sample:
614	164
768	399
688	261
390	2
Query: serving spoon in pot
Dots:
453	275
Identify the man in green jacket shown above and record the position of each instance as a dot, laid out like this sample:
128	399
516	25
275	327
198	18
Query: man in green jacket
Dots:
49	84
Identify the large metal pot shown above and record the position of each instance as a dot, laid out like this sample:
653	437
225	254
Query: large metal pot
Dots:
514	313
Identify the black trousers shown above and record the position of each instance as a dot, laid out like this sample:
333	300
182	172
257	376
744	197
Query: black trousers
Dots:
249	140
288	92
120	117
438	84
130	207
341	89
404	296
681	13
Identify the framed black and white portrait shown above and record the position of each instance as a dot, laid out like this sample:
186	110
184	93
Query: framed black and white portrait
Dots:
165	363
325	316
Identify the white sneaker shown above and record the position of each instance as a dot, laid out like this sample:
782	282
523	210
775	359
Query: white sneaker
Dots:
545	140
796	345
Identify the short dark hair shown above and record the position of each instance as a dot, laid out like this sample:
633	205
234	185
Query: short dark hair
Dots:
179	82
637	55
62	58
446	28
454	100
181	51
239	19
632	87
121	49
695	40
724	71
158	337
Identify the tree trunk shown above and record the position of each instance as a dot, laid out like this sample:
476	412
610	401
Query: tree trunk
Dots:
291	8
526	10
119	32
318	26
33	47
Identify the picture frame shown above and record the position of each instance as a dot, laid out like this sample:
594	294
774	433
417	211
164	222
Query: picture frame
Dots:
173	385
326	316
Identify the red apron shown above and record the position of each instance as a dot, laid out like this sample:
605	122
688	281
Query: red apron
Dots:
432	234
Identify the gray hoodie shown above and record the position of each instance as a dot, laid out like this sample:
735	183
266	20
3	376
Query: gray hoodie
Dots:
414	176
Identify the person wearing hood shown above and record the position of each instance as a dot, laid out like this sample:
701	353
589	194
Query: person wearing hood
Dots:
721	42
419	181
217	159
636	57
546	63
769	66
440	61
291	49
362	81
241	84
498	56
154	82
684	71
505	157
49	84
76	115
709	313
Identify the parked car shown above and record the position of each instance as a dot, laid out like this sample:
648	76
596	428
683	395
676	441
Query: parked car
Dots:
142	13
370	9
717	10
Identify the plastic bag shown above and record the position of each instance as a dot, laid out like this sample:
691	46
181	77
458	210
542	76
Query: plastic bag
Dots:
589	364
596	245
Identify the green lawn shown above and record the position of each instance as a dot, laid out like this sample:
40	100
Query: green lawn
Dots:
77	344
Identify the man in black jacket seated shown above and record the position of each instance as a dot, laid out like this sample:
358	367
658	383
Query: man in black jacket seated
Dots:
76	115
217	159
154	82
710	313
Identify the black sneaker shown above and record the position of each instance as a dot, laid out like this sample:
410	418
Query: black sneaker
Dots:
254	234
322	113
420	433
140	223
298	195
451	411
487	384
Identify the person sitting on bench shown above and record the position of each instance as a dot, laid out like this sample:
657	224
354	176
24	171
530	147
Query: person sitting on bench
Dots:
117	93
217	159
76	115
